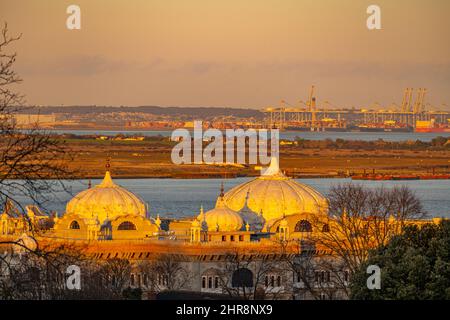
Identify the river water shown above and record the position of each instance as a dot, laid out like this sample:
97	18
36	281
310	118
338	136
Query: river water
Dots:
183	197
286	135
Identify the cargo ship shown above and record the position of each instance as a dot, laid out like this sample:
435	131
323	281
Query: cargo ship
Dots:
382	177
431	126
386	126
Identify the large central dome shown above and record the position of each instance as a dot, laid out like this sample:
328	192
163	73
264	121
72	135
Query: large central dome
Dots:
106	200
275	195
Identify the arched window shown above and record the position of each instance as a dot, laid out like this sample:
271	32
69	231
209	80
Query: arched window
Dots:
74	225
204	282
126	225
303	226
326	228
242	278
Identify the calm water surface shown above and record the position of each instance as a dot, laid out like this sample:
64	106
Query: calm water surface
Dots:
183	197
288	135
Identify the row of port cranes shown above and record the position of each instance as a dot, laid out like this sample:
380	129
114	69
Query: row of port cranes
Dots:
308	115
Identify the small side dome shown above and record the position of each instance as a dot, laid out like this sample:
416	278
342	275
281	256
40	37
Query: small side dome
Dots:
222	218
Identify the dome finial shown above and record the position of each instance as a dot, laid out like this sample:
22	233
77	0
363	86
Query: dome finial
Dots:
107	182
222	193
158	221
274	168
108	163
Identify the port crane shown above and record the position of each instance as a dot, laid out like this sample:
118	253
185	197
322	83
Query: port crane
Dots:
312	108
408	113
418	105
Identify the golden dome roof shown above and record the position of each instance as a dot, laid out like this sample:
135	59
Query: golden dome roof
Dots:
106	200
221	218
275	195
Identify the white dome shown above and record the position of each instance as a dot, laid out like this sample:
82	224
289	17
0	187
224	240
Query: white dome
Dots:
275	195
221	218
106	200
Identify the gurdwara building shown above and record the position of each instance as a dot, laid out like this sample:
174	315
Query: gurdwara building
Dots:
269	220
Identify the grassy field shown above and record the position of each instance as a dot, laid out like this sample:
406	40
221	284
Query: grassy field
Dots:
152	159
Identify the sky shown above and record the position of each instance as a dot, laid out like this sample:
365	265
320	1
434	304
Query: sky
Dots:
230	53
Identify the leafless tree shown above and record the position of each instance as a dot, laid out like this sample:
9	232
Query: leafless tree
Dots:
358	219
253	275
165	272
361	219
32	162
40	273
115	274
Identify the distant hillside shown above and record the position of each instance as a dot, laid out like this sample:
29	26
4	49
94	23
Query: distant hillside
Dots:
195	111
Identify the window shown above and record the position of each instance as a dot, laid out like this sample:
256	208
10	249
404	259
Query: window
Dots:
266	281
126	225
145	279
74	225
303	226
231	238
272	281
242	277
209	282
326	228
216	282
203	282
279	281
224	238
241	238
132	280
322	276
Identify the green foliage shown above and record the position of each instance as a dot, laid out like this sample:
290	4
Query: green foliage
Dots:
438	143
414	265
132	293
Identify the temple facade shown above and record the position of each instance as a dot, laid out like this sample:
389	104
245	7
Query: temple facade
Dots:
250	239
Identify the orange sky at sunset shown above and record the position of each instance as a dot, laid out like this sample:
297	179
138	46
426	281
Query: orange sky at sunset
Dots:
236	53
